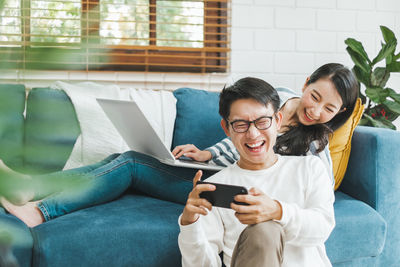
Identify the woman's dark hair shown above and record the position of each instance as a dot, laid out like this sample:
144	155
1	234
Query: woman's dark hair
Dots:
297	140
247	88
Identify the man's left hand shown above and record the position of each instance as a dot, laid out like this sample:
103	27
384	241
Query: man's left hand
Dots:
261	207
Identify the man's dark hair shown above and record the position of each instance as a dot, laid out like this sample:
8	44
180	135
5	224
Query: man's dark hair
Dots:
247	88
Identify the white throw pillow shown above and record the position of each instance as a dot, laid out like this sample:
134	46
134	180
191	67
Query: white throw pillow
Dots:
98	137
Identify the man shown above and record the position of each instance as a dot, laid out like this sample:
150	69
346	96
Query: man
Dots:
290	212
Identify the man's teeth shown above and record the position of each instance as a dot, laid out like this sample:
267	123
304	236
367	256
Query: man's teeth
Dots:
255	144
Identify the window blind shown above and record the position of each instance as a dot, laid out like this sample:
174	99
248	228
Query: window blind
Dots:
131	35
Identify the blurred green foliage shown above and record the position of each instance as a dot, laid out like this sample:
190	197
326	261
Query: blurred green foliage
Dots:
57	43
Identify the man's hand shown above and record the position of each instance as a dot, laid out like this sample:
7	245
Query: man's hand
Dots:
196	205
261	208
191	151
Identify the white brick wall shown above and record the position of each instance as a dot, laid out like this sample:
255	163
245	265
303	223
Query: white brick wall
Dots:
293	18
388	5
297	36
251	16
274	40
315	41
300	35
356	4
315	4
368	21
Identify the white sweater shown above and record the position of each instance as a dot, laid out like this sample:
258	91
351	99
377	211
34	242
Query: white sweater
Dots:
302	187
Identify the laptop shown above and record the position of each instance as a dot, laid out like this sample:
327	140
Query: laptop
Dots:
141	137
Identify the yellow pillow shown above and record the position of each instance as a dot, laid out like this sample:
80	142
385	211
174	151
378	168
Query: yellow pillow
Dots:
340	143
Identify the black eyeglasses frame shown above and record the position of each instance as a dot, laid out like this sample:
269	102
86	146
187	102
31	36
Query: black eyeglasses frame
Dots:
250	122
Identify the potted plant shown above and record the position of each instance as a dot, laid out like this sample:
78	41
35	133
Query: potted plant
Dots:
382	104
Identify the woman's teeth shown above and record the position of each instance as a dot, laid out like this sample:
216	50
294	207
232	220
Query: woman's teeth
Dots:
308	117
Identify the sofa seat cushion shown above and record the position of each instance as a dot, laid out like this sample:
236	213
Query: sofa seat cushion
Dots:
360	231
130	231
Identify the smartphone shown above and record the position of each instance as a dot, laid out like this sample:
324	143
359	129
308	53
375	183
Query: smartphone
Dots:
223	194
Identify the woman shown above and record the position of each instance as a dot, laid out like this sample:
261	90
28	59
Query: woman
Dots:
328	99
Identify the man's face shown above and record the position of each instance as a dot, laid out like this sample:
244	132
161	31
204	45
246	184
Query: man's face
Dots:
254	146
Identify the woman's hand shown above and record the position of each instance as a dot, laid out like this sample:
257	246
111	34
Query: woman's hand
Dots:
261	208
196	205
191	151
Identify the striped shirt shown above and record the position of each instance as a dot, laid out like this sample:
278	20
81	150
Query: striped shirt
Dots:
224	152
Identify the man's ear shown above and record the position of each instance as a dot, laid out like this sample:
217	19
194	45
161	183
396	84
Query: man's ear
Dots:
225	127
305	84
278	117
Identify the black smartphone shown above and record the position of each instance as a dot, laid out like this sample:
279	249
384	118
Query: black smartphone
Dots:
223	194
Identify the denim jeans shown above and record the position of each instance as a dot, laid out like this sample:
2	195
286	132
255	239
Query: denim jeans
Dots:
110	178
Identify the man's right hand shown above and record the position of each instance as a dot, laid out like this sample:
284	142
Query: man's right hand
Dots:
191	151
196	205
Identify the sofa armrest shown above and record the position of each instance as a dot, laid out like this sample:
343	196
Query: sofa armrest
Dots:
373	176
373	172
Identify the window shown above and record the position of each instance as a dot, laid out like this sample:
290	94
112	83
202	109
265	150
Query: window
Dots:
132	35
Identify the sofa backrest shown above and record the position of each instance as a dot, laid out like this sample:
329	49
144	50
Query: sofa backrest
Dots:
51	129
51	125
43	141
12	105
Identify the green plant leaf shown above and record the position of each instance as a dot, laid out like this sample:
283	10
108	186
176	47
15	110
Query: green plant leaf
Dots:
387	50
379	77
395	96
392	116
388	35
389	59
364	122
394	66
392	106
388	114
358	48
362	76
386	124
376	94
380	123
358	60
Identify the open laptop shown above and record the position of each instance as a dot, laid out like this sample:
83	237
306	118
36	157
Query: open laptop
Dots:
140	136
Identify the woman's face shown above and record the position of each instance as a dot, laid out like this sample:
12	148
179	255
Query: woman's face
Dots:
319	103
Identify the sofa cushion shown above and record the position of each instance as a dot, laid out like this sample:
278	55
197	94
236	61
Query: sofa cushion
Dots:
51	130
131	231
197	119
12	105
340	143
360	231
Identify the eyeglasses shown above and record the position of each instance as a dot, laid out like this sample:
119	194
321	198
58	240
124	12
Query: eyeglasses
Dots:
242	126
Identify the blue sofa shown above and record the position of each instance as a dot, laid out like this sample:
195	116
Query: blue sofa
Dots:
139	230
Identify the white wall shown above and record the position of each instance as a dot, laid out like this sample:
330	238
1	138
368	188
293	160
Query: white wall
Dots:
283	41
